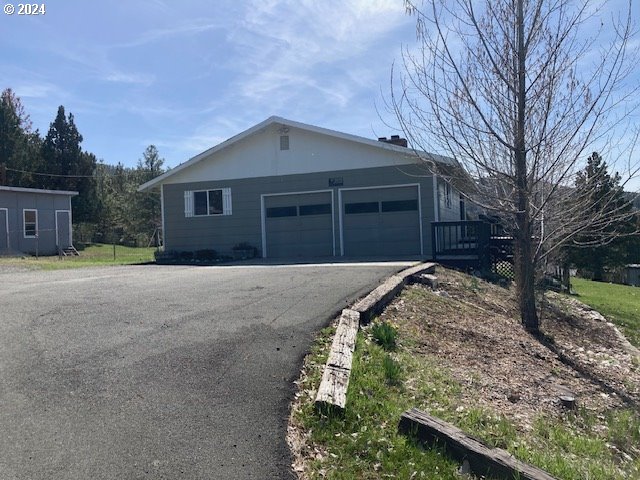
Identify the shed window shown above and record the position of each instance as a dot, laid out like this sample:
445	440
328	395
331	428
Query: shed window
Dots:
30	223
207	202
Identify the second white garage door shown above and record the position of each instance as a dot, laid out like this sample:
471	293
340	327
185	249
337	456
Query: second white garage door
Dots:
381	221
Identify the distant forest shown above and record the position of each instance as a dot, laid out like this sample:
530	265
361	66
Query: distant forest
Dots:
108	207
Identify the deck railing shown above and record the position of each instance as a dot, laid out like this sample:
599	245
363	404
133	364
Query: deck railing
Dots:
473	243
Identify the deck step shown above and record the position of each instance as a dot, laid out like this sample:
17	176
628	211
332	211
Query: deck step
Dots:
70	251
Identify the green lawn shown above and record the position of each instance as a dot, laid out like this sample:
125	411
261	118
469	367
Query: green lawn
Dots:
619	303
93	255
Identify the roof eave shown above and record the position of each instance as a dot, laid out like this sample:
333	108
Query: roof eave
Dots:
69	193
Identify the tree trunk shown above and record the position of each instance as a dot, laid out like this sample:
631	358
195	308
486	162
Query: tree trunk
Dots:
525	281
524	261
566	277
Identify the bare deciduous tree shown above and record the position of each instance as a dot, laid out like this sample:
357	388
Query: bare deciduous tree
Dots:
520	92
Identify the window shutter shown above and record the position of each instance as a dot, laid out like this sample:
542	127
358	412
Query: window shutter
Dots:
188	203
226	201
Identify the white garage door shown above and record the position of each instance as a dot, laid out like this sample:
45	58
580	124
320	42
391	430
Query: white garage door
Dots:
381	221
299	225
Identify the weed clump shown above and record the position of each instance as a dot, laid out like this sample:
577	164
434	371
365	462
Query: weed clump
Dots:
385	335
392	370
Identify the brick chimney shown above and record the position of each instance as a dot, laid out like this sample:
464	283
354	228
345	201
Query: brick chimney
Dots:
394	140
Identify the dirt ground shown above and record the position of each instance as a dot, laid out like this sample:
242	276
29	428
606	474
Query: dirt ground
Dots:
472	327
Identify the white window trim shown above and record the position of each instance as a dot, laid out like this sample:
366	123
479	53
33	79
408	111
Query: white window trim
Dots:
162	212
448	195
6	226
340	210
24	222
263	216
189	202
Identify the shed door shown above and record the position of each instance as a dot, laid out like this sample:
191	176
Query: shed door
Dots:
299	225
4	231
381	221
63	228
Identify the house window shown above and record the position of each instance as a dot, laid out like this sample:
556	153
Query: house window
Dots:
203	203
447	195
207	202
284	142
30	223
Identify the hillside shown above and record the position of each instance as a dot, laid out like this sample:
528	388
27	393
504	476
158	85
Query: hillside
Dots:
464	357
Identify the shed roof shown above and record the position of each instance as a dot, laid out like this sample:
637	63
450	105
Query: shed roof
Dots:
38	190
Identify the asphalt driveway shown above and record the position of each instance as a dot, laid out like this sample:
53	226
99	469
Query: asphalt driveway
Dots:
159	372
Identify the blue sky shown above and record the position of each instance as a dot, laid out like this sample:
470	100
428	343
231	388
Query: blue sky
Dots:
186	75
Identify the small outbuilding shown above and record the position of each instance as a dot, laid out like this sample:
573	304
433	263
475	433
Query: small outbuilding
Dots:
35	221
633	274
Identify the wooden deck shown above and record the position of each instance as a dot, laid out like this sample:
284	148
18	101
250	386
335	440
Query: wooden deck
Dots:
476	244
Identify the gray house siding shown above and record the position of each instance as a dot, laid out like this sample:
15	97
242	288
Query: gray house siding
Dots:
12	206
448	203
223	232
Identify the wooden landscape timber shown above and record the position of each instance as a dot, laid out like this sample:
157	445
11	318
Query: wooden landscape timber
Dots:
373	303
482	460
335	378
332	392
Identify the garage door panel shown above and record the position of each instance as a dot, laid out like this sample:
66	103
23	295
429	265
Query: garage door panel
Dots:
398	218
363	220
305	231
381	194
316	237
392	229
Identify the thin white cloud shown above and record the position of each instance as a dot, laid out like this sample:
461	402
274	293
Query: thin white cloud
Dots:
37	90
291	49
131	78
185	29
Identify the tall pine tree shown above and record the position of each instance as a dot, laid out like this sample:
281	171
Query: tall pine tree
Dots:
69	166
148	203
19	146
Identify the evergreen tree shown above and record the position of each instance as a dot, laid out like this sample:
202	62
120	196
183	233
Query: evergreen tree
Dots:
19	146
148	209
71	168
596	249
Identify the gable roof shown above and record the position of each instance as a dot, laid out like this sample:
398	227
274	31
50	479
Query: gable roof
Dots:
289	123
